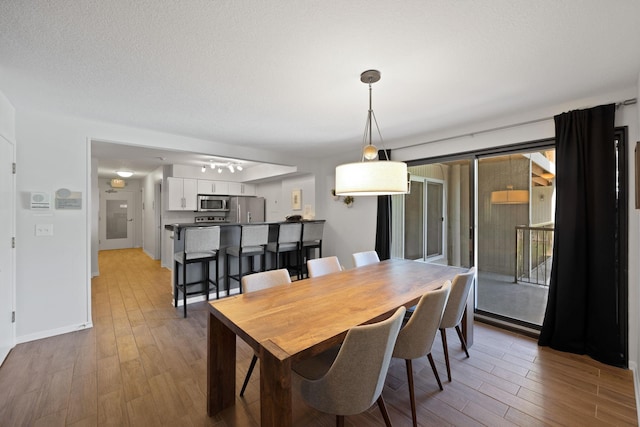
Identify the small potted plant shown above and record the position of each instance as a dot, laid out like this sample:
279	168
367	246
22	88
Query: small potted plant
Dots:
348	200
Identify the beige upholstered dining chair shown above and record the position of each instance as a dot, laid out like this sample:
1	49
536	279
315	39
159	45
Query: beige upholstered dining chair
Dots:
321	266
365	258
454	310
416	337
255	282
353	381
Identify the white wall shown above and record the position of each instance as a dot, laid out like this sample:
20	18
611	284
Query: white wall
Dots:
150	214
53	273
8	224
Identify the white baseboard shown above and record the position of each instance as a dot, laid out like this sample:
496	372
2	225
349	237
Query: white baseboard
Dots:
636	383
4	352
53	332
150	255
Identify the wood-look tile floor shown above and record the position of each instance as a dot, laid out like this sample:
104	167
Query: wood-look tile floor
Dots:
143	364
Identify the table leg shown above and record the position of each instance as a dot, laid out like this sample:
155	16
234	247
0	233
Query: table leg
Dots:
275	390
221	366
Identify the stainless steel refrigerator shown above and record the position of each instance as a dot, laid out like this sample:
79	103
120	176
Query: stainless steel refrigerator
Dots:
244	210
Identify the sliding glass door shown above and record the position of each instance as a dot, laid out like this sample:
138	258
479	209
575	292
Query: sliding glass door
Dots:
433	222
494	211
516	207
424	220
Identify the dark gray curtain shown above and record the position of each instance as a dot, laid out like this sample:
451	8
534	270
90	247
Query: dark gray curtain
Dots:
581	314
383	222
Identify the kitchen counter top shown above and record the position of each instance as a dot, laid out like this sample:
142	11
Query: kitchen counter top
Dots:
178	227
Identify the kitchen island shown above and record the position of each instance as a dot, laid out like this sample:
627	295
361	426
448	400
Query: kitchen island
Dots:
229	236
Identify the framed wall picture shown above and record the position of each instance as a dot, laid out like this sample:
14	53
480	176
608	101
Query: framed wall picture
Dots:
296	200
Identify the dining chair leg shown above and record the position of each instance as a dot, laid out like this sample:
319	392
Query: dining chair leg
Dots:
249	372
412	397
339	420
435	370
462	341
383	409
443	334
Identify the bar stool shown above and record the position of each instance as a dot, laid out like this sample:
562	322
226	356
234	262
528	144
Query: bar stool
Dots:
311	239
287	241
253	241
201	245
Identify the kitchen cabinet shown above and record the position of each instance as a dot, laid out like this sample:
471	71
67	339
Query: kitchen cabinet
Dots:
240	189
206	186
182	194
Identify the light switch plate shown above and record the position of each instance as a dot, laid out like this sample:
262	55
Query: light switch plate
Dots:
44	229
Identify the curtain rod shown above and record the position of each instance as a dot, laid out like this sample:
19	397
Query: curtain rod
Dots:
624	103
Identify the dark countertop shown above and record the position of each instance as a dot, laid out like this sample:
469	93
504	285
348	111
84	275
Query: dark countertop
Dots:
178	227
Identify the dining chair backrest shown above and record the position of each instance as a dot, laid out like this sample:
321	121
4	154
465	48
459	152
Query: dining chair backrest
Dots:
365	258
416	337
200	242
356	377
321	266
460	288
266	279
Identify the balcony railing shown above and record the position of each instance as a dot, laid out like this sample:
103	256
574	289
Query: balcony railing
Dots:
534	250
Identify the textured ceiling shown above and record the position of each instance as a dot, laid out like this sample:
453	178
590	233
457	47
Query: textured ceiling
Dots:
284	75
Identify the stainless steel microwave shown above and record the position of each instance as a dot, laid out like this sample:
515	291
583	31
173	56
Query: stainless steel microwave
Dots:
208	203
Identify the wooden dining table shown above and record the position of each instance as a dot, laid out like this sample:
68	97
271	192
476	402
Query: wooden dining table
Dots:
292	322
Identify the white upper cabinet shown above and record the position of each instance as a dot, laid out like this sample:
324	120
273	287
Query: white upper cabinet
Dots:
206	186
240	189
182	194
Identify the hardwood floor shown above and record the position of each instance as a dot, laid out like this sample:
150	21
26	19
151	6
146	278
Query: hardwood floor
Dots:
143	364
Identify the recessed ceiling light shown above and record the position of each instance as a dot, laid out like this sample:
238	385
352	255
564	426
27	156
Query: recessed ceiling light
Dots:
124	174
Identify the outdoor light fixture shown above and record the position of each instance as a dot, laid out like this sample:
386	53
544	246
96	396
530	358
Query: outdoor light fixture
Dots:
509	196
370	176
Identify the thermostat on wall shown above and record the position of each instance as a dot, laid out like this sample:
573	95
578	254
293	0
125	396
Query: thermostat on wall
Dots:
40	201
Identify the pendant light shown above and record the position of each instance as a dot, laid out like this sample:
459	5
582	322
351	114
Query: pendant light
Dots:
371	176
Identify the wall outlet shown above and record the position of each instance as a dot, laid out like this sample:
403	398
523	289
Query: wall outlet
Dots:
44	229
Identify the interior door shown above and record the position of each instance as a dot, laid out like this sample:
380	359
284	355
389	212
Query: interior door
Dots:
116	220
7	194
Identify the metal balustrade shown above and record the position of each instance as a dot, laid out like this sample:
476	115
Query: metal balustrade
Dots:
534	250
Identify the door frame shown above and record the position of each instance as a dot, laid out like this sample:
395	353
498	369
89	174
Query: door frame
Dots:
10	222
